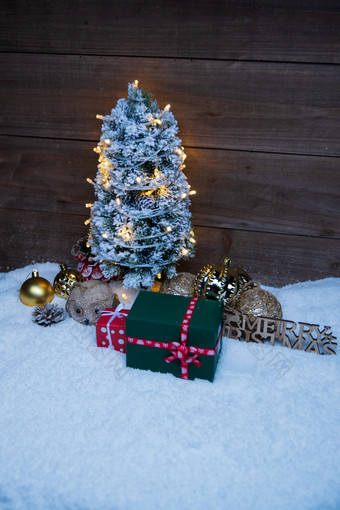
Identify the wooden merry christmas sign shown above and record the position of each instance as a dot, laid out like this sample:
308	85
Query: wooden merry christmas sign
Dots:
294	335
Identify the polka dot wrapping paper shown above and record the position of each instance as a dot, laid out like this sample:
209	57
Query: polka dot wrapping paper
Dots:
110	329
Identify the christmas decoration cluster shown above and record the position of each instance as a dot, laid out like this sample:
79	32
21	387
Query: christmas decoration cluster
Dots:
140	228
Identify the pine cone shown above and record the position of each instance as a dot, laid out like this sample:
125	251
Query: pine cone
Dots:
48	314
144	201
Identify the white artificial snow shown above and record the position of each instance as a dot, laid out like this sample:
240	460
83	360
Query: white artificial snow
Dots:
79	431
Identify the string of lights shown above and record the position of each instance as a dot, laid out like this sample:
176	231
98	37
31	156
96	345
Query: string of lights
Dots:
140	222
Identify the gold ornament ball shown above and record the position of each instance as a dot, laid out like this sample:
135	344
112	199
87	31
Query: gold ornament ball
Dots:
223	282
64	281
180	285
36	291
256	302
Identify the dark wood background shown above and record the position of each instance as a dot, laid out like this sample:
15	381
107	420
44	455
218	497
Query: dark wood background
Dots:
254	86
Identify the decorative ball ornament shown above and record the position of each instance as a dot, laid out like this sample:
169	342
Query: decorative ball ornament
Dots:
64	281
36	291
256	302
222	282
180	285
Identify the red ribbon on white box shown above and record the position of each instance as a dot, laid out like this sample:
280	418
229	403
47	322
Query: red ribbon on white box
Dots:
113	313
180	350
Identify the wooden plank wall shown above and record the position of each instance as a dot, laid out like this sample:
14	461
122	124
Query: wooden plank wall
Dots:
254	86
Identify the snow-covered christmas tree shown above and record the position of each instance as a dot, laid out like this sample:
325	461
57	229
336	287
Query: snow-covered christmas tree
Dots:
140	222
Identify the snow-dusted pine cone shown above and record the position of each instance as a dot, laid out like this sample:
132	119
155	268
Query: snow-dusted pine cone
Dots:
144	201
48	314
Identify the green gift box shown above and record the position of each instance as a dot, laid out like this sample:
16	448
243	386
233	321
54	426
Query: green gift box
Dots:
155	340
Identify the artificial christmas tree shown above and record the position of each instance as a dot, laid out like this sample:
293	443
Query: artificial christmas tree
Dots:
140	222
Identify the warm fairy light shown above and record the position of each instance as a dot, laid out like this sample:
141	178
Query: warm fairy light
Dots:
118	201
159	276
167	108
192	232
125	233
183	195
90	181
156	172
192	240
163	190
88	205
124	296
152	119
96	149
192	192
169	228
99	116
105	236
86	222
135	83
107	141
138	179
184	251
88	245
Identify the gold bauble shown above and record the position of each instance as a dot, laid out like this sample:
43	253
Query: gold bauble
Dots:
223	282
64	281
36	291
180	285
257	302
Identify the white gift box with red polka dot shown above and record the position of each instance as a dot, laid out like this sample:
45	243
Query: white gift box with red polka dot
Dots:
110	329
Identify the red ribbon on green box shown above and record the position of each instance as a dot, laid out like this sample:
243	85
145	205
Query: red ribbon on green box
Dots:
180	350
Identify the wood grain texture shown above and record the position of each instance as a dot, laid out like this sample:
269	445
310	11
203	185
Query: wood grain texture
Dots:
238	190
244	106
255	92
300	31
273	259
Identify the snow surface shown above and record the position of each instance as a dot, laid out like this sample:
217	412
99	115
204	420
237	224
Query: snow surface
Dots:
79	431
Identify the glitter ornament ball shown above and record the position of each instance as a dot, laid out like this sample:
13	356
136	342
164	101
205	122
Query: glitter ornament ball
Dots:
36	291
223	282
64	281
180	285
256	302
